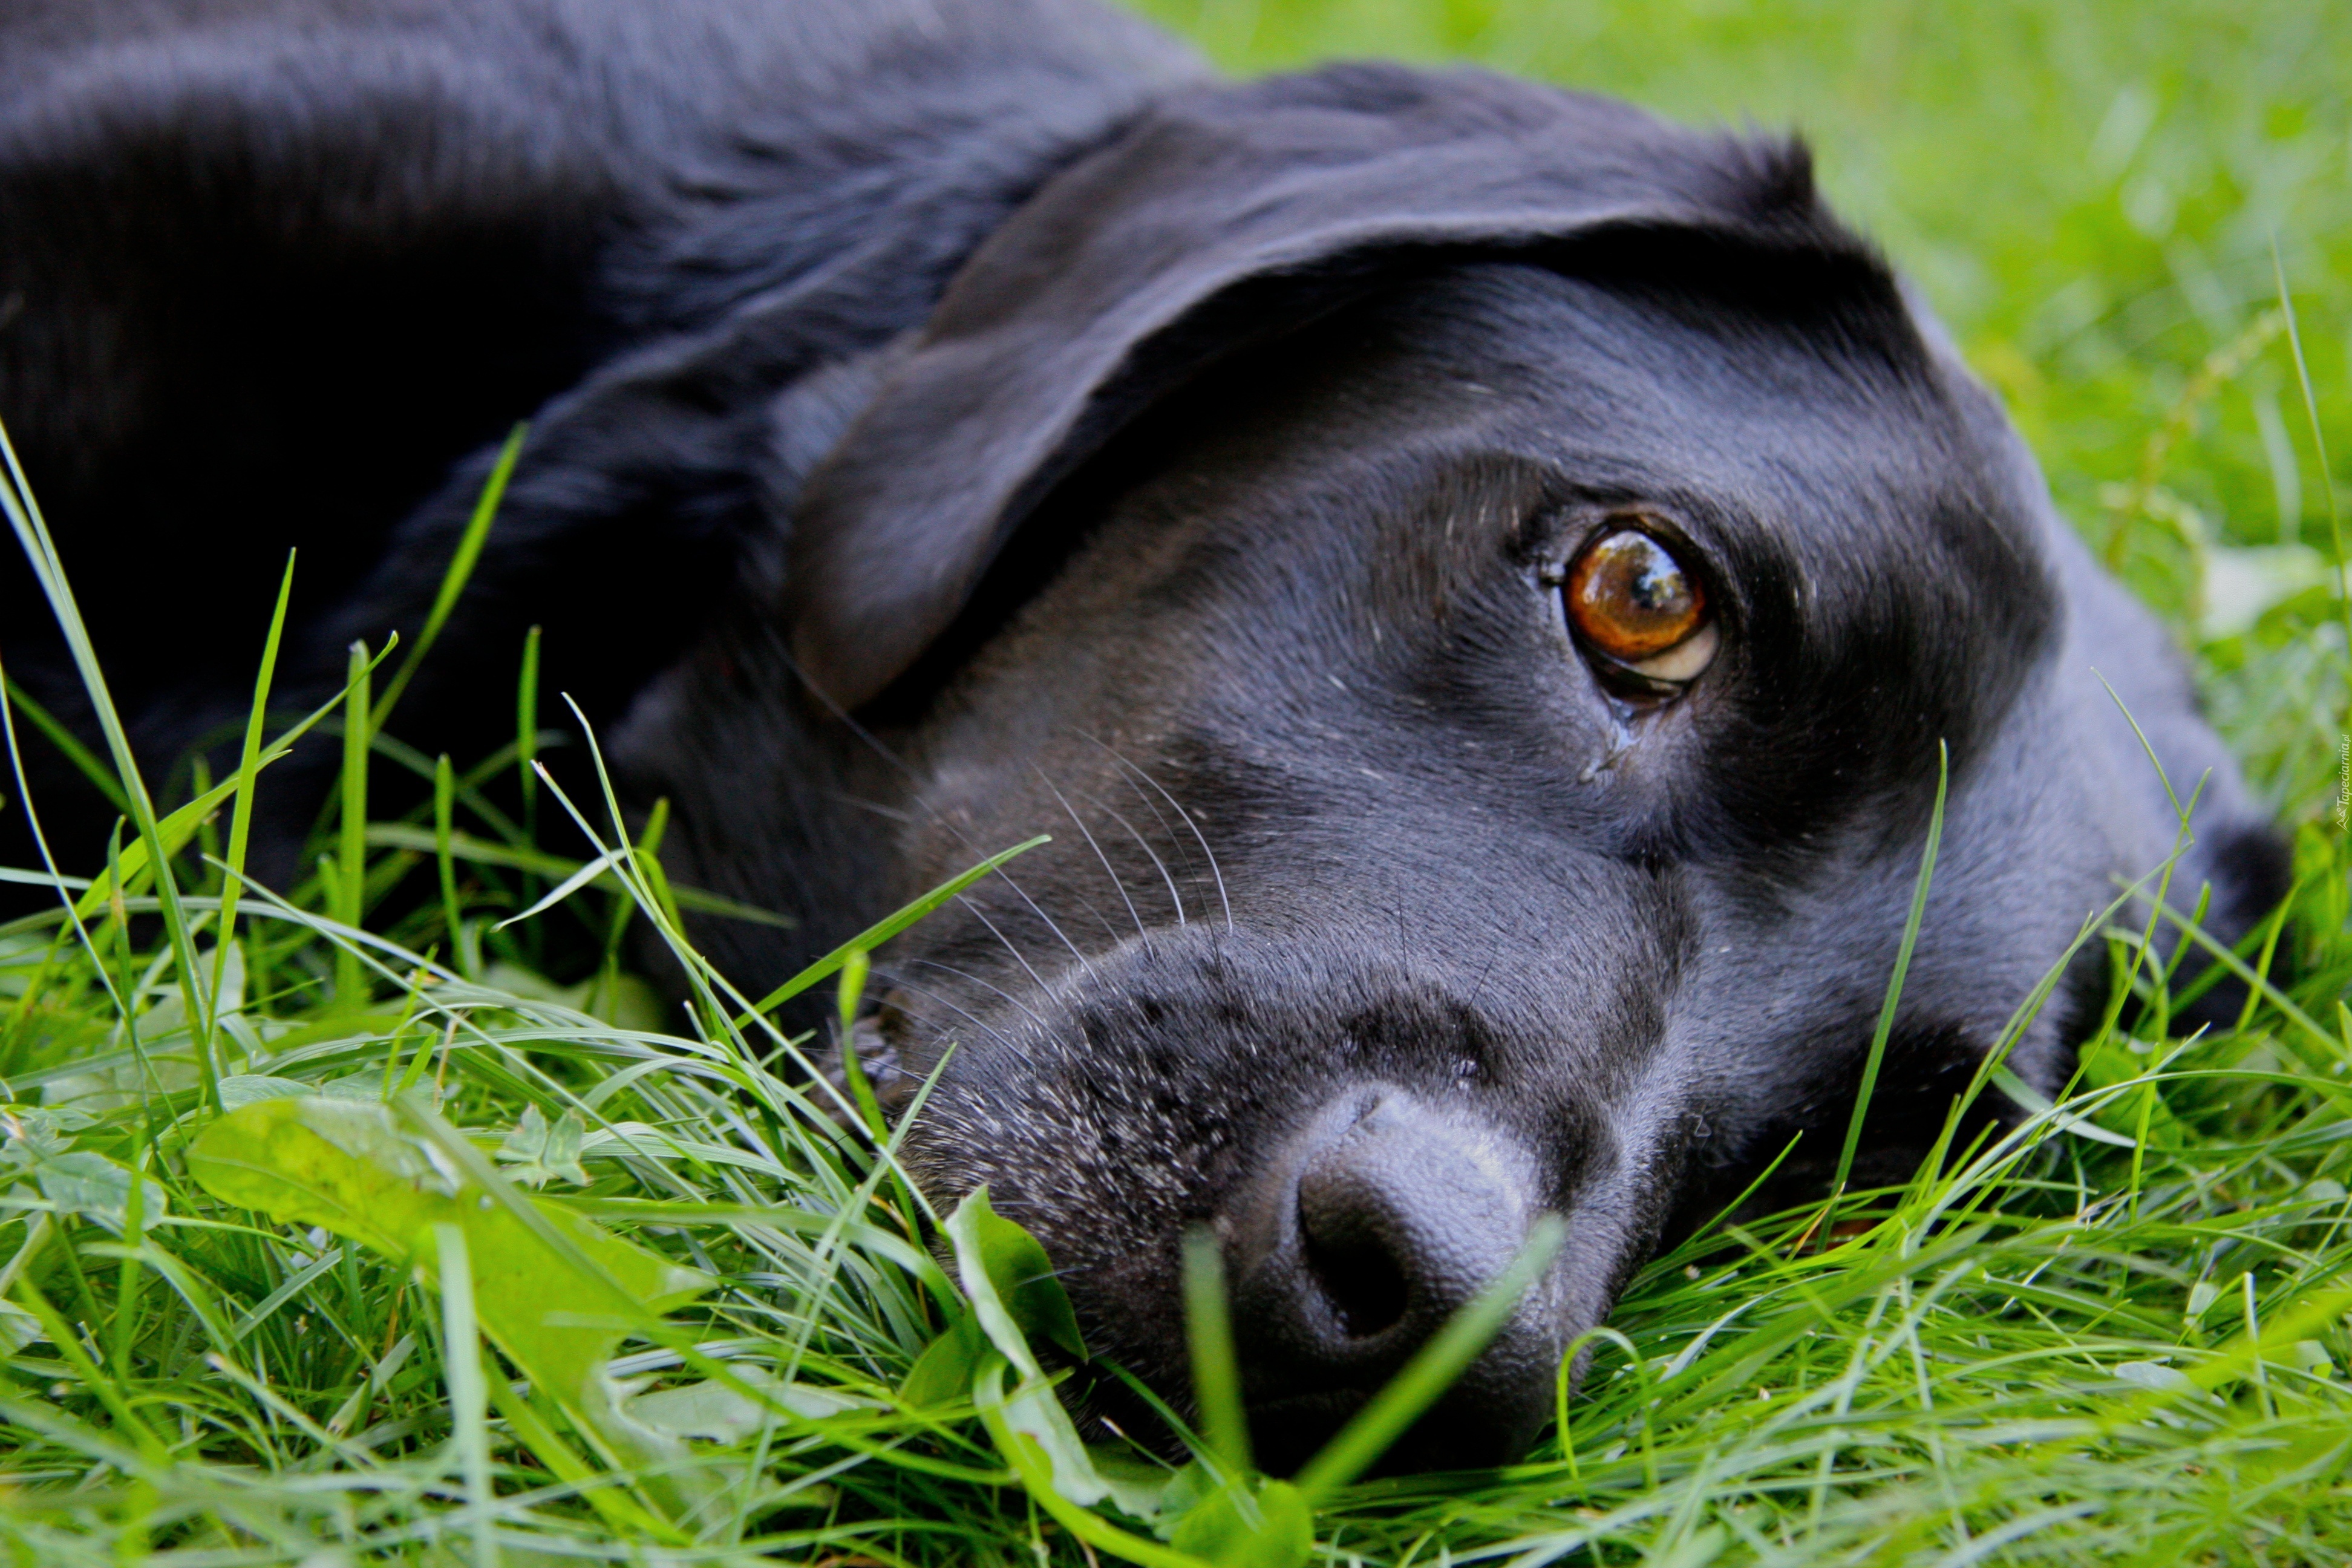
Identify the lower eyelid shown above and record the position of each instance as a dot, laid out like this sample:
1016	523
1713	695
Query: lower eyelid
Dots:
1684	659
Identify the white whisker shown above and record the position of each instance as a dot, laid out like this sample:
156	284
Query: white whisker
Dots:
1088	833
1145	845
987	985
1201	838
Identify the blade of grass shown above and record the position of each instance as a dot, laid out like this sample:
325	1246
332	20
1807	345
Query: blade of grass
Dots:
445	792
249	768
351	856
482	852
2318	441
1208	1334
853	1074
599	867
126	1292
853	1071
70	1347
1885	1027
461	1363
616	925
68	744
619	1511
461	568
883	930
526	758
40	548
1432	1370
63	885
526	749
181	825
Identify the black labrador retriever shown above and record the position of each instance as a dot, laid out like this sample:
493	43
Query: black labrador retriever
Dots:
1477	581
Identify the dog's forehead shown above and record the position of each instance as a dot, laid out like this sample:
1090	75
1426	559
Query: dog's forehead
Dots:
1855	459
1356	536
1863	515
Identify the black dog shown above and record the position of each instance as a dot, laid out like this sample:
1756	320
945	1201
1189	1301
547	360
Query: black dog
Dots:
1476	581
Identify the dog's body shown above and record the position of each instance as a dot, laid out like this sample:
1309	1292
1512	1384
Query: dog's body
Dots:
983	423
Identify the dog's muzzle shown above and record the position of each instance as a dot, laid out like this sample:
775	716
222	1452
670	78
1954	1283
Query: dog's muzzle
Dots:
1361	1236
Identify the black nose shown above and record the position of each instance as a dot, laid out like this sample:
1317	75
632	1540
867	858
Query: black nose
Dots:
1366	1231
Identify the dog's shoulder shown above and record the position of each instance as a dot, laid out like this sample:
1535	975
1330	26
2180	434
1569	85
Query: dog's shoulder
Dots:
131	130
258	230
684	64
276	268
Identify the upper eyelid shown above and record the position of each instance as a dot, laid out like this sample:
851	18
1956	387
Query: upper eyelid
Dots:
1568	542
1574	524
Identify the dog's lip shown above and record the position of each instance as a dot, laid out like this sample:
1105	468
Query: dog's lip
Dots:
1331	1406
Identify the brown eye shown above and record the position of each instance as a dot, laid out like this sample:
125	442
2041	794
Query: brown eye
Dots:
1632	603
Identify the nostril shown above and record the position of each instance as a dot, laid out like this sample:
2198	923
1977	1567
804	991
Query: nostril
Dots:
1356	1273
1365	1231
1360	1278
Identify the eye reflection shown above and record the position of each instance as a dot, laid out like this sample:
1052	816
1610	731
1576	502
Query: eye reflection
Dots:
1631	602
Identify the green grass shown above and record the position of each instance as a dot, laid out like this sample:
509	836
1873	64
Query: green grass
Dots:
2119	1335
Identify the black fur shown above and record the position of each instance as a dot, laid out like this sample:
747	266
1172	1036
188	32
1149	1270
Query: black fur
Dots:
953	421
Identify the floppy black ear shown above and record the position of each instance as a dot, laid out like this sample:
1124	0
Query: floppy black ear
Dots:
1221	218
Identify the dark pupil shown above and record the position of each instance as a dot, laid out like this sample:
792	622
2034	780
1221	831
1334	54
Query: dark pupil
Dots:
1653	581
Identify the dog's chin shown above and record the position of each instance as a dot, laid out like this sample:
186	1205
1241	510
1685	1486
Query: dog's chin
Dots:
1285	1434
1288	1431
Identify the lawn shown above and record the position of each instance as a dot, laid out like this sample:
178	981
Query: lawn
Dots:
290	1178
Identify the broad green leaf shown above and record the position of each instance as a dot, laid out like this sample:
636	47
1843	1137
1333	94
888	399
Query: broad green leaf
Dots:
722	1414
128	1081
1035	1411
347	1165
1236	1526
37	1133
87	1184
1012	1271
943	1372
1040	1475
1008	1277
2107	1064
18	1328
244	1088
40	1144
539	1151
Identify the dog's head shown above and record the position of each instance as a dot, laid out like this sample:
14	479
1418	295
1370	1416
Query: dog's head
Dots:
1480	585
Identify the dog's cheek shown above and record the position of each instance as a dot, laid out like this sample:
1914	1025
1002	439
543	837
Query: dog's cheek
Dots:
1106	1170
